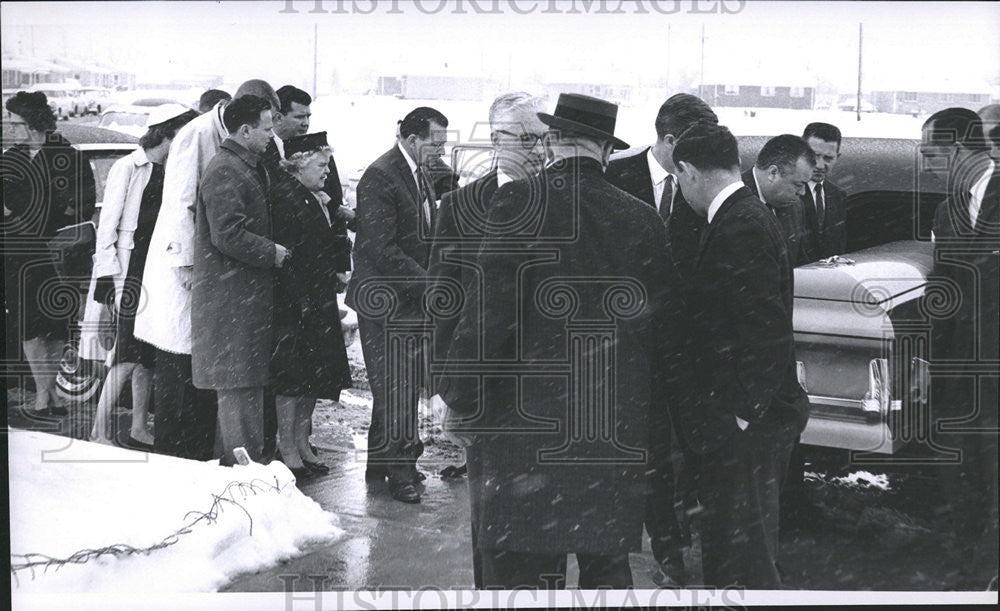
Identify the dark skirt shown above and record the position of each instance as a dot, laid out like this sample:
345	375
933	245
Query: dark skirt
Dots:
310	358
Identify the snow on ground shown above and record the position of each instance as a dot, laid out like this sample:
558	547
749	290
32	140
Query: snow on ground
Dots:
69	495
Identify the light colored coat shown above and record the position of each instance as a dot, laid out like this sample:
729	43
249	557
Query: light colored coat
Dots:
119	215
164	317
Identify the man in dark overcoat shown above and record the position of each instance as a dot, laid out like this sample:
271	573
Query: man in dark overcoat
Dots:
516	134
745	406
553	360
651	176
395	218
964	332
232	292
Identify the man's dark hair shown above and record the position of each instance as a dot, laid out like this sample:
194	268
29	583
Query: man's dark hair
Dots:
708	146
419	120
957	125
681	111
823	131
244	110
210	98
34	108
289	94
784	151
158	133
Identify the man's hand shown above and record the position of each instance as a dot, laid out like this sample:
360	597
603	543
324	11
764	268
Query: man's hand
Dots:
344	213
185	276
281	254
450	421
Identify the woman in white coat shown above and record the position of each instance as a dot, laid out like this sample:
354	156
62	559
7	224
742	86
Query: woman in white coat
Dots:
132	199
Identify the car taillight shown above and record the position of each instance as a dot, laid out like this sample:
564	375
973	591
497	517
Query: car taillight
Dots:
920	380
878	399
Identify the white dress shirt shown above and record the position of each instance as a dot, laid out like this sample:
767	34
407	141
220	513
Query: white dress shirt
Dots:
659	176
721	197
977	192
278	142
502	178
756	182
416	179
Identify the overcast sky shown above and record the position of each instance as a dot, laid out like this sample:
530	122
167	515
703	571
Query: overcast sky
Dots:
906	45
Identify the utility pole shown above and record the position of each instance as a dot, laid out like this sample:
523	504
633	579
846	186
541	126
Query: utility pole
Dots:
701	86
315	55
668	60
860	37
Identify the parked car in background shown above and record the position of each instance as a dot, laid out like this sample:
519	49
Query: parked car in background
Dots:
77	380
62	98
94	99
861	334
125	119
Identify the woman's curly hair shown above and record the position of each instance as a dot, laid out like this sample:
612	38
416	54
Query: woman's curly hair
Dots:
33	107
299	160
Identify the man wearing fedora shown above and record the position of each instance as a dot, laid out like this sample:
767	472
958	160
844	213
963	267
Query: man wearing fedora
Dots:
549	374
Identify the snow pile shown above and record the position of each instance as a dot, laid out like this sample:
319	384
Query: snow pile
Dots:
208	523
864	479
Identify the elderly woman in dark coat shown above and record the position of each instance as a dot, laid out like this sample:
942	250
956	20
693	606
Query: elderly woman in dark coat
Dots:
310	359
47	185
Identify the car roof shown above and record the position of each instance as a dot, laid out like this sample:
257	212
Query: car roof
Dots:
129	108
86	134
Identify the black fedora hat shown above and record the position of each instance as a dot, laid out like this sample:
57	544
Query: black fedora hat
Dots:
586	115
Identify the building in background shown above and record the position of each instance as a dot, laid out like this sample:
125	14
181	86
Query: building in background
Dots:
616	87
438	87
800	96
921	99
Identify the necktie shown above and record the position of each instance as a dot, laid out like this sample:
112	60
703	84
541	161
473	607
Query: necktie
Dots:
666	199
425	196
820	206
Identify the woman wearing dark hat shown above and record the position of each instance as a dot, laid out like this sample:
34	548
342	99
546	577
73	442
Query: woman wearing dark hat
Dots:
132	200
310	359
46	186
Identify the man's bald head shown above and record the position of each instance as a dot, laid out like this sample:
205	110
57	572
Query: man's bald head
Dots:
261	89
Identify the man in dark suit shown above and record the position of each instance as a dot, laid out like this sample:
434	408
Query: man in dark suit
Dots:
516	134
824	203
745	407
573	283
784	166
963	345
395	216
651	176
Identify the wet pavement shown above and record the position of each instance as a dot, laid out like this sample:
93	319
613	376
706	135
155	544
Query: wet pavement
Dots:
389	544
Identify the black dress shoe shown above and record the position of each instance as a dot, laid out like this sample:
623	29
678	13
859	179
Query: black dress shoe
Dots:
404	491
134	444
452	471
375	474
316	467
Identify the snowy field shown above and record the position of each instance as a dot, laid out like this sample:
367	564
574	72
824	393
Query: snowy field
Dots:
361	128
206	523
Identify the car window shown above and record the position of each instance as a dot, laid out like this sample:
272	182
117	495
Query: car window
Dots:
100	163
112	120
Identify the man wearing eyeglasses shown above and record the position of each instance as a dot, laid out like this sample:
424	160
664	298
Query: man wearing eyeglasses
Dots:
516	134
